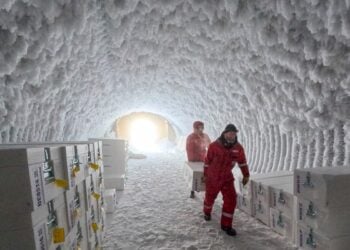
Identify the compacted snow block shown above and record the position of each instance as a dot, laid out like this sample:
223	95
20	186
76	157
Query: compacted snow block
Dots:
193	173
323	208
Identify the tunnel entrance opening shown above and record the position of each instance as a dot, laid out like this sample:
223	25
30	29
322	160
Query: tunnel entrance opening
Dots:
146	132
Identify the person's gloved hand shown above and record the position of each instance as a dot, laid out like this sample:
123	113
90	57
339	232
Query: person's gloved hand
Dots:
245	180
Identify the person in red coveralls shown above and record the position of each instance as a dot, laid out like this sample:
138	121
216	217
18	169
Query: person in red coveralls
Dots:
197	143
221	157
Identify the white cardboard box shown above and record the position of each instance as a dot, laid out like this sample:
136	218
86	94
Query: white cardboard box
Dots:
75	204
193	173
261	202
36	231
282	224
78	236
308	238
245	204
328	221
114	154
114	182
25	165
282	198
326	187
110	200
261	193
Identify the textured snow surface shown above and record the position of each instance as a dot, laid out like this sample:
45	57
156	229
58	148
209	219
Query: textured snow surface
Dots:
278	70
155	212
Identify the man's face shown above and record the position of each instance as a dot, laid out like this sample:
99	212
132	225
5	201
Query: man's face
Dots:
199	129
230	136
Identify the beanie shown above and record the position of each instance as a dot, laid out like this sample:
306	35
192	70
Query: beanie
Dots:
230	128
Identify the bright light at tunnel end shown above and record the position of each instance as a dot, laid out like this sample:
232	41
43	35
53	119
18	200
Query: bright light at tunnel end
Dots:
143	135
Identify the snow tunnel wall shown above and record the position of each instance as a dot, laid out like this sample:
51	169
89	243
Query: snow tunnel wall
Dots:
279	70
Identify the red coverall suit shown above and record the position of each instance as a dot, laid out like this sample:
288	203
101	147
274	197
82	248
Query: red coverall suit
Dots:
218	173
196	146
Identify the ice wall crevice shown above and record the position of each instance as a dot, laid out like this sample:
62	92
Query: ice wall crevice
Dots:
288	151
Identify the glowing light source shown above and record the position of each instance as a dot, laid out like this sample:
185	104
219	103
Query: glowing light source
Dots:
143	135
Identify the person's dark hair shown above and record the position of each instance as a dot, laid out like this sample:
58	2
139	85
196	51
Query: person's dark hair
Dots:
197	124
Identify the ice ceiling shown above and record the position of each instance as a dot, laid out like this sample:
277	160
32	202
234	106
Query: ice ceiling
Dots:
279	70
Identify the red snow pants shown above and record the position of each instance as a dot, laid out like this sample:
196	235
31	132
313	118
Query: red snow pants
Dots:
229	196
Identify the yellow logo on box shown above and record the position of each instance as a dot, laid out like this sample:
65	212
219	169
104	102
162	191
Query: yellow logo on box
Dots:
94	226
58	235
94	166
77	213
61	183
75	170
96	196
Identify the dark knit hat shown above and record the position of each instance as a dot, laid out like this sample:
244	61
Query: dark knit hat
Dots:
197	124
230	128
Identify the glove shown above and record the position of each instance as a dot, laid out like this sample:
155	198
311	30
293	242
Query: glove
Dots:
245	180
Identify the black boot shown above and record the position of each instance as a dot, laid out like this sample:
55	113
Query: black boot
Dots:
192	195
229	230
207	217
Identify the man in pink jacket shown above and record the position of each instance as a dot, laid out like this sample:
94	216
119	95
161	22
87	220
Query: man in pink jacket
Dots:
221	157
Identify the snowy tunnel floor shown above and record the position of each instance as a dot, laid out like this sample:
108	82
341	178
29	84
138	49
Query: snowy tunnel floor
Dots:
155	212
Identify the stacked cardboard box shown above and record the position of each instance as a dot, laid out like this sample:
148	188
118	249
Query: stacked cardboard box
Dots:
254	198
323	208
262	193
282	209
47	197
269	198
193	174
111	200
315	216
115	158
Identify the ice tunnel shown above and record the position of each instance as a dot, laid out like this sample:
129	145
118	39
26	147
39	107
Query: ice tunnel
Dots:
278	70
